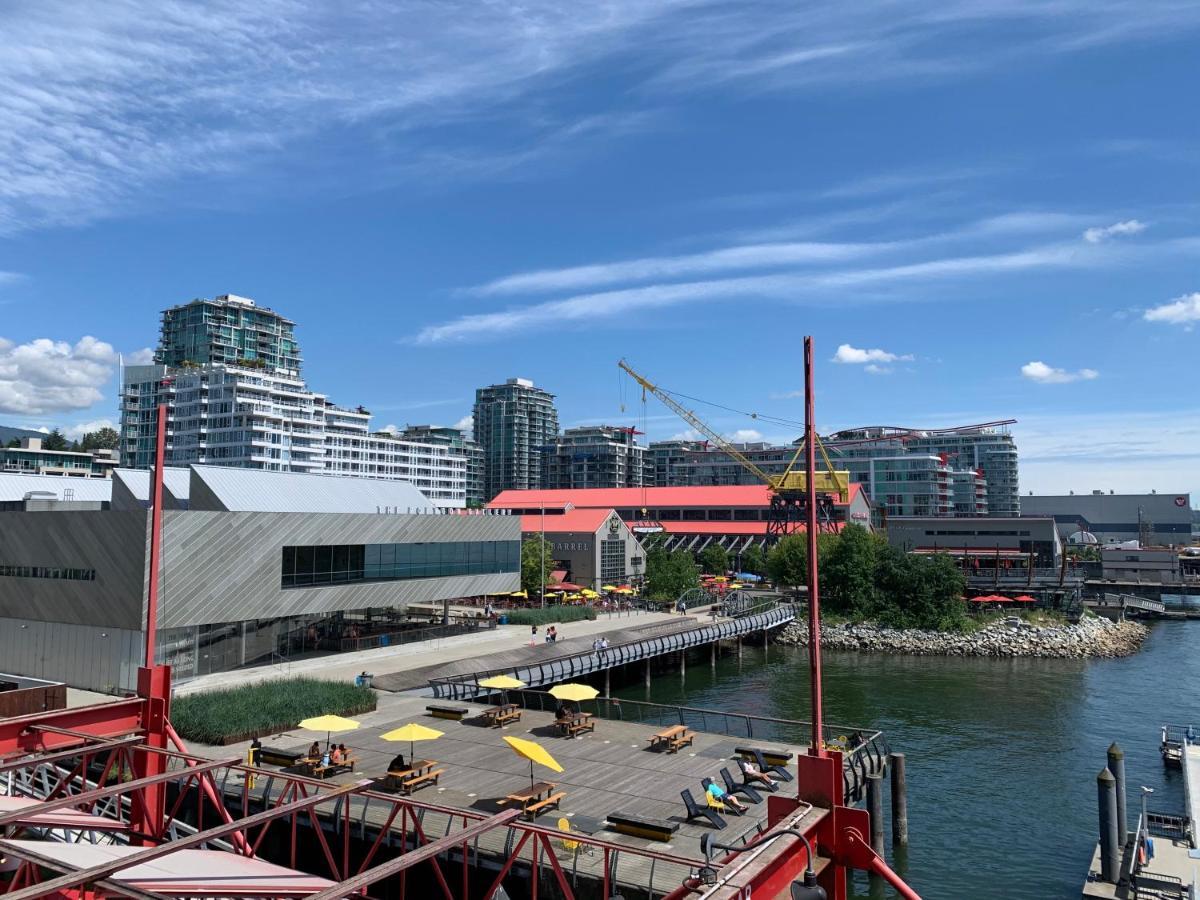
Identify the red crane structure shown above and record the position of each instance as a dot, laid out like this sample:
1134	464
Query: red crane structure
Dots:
137	815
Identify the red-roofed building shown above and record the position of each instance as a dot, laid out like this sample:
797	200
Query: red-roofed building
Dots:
591	546
733	516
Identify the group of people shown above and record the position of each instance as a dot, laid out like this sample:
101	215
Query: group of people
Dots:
600	644
565	710
335	755
751	772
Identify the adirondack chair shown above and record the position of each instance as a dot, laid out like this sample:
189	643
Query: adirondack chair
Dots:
695	811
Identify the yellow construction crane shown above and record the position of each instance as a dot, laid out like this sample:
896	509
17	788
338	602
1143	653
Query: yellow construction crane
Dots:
789	488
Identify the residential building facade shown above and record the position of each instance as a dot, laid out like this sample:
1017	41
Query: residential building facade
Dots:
513	422
460	444
667	462
29	457
230	330
602	456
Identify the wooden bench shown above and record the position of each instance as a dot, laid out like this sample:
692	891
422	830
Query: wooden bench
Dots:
274	756
346	765
641	826
533	809
671	739
411	784
502	715
457	713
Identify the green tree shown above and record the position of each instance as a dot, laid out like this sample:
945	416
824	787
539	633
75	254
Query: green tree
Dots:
787	561
54	441
668	575
918	591
101	439
714	559
13	444
537	561
848	573
754	560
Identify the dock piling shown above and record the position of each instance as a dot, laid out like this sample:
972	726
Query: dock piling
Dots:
899	800
647	674
608	682
739	646
875	808
1116	765
1106	795
683	664
713	658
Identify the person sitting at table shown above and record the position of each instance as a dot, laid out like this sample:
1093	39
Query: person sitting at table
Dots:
397	764
326	761
345	753
722	796
335	756
314	752
562	711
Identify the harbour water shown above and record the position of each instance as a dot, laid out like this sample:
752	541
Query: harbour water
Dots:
1002	755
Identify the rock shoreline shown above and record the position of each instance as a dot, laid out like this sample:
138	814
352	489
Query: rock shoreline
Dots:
1091	637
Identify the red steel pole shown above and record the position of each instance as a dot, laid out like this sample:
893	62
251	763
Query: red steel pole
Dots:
155	534
817	746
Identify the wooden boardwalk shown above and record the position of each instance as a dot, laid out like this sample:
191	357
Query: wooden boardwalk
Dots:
607	771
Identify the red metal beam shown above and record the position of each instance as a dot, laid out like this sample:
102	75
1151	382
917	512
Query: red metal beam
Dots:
817	742
413	857
77	800
21	734
81	750
105	870
110	885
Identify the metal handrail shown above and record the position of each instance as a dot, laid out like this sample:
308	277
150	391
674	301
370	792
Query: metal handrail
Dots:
562	668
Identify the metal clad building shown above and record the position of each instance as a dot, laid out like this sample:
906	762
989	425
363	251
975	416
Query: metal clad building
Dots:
236	580
1161	519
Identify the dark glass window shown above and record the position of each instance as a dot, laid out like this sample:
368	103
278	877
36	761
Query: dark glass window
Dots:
348	563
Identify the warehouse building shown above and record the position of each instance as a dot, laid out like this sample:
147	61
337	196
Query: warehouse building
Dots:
979	542
251	562
1152	519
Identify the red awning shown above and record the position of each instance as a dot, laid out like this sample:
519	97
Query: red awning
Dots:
560	574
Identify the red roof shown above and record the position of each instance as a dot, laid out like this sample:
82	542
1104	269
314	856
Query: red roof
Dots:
725	527
756	495
575	520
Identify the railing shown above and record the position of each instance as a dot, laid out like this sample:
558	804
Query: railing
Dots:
414	635
564	668
865	749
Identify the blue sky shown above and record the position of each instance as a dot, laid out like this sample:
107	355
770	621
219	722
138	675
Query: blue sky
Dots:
980	210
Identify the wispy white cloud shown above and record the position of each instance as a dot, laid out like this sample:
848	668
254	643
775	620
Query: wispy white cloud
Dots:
103	103
1183	310
1118	229
466	423
857	356
77	430
1045	374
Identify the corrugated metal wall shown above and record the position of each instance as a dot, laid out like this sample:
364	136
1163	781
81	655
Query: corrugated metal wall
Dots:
85	656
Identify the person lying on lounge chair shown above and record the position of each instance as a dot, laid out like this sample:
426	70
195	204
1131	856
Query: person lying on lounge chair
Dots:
722	796
754	773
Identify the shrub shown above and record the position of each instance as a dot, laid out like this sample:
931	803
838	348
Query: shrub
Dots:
546	615
254	710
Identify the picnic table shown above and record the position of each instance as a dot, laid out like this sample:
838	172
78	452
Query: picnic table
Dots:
312	767
671	739
575	723
536	798
497	716
419	773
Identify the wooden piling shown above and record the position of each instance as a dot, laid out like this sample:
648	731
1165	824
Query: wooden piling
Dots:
1110	850
875	809
1116	765
899	800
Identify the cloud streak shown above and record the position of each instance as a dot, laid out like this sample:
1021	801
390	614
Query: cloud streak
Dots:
1042	373
1118	229
849	355
1183	310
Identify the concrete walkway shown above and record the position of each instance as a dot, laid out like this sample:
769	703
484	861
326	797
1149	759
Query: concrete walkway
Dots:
386	660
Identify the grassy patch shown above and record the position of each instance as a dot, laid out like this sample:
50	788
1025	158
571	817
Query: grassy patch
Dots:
254	710
544	616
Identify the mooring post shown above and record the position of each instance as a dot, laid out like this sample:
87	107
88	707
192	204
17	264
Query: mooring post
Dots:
682	663
1116	765
713	658
647	674
739	646
875	808
1110	852
607	682
899	800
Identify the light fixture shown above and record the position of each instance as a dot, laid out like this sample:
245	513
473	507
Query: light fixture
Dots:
808	889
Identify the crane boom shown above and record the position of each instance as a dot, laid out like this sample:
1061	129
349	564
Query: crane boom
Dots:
828	481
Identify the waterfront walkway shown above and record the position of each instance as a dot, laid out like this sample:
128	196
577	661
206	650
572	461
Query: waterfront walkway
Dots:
425	654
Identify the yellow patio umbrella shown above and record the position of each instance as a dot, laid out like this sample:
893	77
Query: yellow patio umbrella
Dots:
412	732
501	682
524	595
574	596
608	587
574	692
535	753
328	724
589	593
623	590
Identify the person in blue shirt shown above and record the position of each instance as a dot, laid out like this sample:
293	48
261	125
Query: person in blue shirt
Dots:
721	795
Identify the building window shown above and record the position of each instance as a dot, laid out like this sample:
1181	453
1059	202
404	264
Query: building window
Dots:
351	563
54	572
612	561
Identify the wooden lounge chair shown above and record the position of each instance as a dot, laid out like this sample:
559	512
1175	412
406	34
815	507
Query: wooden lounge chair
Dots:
695	811
732	787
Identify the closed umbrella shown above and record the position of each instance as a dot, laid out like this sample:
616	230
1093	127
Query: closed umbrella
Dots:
412	732
535	753
329	724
